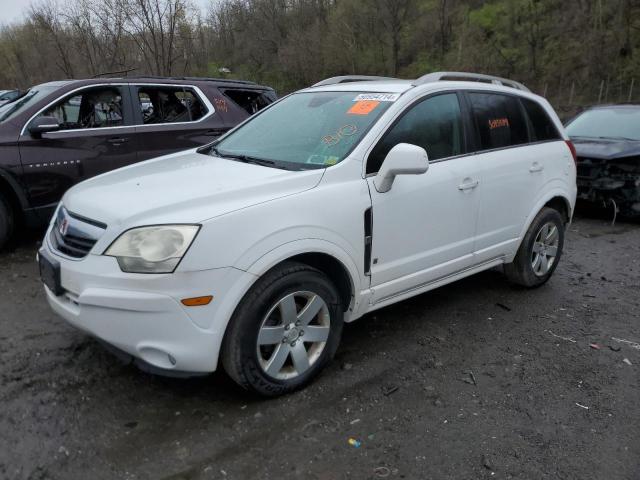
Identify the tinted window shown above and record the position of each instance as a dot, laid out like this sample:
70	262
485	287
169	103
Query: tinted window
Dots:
91	108
434	124
543	127
170	105
499	120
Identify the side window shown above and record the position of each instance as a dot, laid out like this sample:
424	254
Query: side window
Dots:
250	100
499	120
434	124
169	105
91	108
543	127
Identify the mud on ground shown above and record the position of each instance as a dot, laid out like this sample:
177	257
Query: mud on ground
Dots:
474	380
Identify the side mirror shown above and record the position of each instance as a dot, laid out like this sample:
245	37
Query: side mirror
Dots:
403	159
42	125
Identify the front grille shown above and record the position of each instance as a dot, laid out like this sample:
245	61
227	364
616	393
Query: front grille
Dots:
74	236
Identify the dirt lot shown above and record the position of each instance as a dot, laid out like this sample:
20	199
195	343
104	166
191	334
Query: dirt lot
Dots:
474	380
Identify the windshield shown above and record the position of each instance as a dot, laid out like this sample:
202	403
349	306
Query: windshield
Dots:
616	123
24	101
307	130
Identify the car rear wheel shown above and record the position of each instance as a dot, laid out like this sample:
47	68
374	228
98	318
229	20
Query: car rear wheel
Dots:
284	332
540	251
7	222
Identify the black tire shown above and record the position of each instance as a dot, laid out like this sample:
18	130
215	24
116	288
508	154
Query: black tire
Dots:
240	356
7	223
521	271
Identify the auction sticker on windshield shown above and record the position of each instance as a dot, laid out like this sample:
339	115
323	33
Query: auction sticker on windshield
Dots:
377	97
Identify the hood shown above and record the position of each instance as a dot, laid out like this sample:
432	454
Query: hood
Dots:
187	187
606	149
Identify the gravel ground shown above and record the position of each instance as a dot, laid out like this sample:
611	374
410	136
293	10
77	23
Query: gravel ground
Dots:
474	380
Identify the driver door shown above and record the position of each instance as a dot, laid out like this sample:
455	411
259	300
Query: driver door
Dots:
95	136
424	228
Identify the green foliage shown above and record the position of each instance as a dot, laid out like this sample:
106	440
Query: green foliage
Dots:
548	44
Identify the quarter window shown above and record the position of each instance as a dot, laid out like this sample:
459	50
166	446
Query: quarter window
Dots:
169	105
434	124
91	108
251	101
543	127
499	120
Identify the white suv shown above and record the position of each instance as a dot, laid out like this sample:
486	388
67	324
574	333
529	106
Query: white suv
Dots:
335	201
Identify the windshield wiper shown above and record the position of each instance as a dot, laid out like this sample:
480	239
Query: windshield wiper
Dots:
247	159
618	138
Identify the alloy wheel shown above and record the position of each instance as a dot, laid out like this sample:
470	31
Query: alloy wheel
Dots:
545	249
293	335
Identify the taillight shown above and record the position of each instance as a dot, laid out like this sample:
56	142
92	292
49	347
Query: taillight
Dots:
572	147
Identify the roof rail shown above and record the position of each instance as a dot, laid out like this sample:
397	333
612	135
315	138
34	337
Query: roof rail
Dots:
202	79
349	79
469	77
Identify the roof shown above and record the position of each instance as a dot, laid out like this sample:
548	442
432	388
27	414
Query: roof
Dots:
432	81
219	82
383	86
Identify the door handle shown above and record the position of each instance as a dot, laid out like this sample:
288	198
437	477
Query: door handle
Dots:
118	140
536	167
468	184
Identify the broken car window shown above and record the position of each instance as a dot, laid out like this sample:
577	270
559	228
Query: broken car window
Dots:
91	108
250	100
169	105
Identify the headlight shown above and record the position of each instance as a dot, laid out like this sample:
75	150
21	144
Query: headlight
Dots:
156	249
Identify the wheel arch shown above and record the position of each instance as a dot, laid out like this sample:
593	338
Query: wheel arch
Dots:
11	191
322	255
562	205
556	199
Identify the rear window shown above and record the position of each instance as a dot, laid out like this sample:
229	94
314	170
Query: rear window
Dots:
543	127
499	120
250	101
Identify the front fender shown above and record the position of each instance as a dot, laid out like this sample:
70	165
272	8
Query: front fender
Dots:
259	266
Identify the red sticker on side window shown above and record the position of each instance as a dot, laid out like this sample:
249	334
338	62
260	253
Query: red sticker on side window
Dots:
498	123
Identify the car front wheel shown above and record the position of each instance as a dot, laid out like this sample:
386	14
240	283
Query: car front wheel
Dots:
284	332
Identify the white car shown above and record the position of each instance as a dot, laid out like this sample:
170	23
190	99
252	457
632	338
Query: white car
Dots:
335	201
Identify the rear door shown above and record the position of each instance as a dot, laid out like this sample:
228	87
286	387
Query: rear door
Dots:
171	118
513	171
96	136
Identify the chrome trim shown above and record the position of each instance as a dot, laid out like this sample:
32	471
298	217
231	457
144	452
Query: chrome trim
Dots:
203	98
74	225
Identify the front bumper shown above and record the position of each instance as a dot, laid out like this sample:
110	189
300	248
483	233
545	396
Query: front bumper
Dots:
142	316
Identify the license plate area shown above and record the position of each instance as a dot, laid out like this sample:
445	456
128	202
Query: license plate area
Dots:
50	273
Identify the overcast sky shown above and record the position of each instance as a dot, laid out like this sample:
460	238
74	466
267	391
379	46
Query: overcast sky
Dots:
13	10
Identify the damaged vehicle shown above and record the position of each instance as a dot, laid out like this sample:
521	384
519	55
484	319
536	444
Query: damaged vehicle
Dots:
331	203
57	134
607	140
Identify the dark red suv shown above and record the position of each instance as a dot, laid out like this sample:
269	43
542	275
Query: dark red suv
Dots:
60	133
